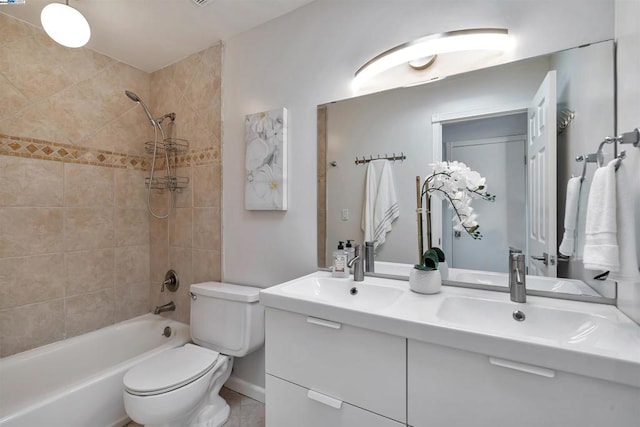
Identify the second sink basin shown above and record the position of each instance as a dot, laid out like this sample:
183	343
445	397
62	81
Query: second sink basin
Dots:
539	322
343	292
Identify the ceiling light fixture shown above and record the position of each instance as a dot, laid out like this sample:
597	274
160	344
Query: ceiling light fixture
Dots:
490	39
65	25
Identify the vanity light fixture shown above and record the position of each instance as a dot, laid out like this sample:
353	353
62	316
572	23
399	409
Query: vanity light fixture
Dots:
422	52
65	25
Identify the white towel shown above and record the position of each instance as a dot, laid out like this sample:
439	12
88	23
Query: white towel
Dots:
582	220
380	202
572	202
628	270
601	241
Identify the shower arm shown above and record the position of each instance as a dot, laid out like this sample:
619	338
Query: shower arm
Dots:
171	116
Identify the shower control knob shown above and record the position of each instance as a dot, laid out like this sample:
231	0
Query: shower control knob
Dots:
170	281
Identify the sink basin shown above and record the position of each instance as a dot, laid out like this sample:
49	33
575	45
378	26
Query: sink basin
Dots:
539	322
538	283
343	292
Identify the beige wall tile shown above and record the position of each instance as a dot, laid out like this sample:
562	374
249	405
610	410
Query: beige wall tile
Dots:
180	228
131	301
38	120
88	312
30	326
30	182
212	57
79	64
130	190
206	228
159	250
32	69
12	29
132	227
30	231
88	186
126	134
11	100
89	271
207	186
184	198
206	266
159	264
132	265
160	200
180	261
87	228
31	279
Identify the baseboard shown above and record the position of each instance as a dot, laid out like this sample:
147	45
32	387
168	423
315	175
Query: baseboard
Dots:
244	387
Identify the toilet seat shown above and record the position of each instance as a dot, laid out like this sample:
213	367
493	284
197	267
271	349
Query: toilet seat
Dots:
170	370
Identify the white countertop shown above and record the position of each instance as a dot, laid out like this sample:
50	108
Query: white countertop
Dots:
611	353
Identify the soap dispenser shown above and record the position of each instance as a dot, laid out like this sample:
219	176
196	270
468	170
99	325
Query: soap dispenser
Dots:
349	249
339	265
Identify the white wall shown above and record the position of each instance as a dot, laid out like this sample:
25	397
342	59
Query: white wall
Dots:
628	38
308	57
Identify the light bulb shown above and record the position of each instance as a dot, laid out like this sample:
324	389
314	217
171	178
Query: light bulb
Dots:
65	25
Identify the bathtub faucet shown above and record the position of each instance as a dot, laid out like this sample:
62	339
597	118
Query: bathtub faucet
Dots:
170	306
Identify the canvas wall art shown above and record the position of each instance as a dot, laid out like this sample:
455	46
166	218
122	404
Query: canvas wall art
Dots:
266	161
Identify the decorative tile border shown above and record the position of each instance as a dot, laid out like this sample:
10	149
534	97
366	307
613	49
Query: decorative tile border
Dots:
69	153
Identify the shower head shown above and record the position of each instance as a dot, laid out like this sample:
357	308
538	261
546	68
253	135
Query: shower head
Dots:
135	98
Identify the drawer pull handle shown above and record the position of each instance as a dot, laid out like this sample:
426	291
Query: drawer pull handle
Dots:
325	323
536	370
324	399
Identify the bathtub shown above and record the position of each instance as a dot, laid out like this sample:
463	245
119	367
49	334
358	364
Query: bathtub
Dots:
78	382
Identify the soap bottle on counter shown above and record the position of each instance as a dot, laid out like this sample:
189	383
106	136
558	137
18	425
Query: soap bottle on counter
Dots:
350	250
339	265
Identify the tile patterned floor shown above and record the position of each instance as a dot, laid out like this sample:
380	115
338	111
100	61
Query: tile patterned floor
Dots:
245	412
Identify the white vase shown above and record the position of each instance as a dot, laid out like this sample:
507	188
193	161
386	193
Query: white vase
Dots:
425	282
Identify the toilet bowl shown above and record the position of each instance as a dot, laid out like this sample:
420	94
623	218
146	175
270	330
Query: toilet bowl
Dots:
180	387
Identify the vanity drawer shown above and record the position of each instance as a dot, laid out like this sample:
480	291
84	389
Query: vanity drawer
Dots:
354	365
454	387
289	405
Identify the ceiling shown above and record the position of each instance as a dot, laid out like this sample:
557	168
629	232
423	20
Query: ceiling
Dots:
151	34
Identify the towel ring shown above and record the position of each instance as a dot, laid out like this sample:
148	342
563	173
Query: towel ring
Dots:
600	156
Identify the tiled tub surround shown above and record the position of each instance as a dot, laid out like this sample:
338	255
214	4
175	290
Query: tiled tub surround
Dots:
74	232
74	250
190	241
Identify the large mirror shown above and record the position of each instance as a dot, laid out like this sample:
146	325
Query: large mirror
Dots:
483	118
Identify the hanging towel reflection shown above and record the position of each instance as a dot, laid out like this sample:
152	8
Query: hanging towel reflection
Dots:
380	202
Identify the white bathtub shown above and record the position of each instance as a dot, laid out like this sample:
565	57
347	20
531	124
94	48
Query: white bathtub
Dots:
78	382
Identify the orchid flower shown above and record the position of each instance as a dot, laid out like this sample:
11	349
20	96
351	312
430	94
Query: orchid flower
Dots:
459	185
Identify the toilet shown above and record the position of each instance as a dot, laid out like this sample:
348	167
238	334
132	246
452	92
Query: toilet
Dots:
180	387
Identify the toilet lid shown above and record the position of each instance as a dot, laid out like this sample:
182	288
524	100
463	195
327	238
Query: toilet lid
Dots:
170	370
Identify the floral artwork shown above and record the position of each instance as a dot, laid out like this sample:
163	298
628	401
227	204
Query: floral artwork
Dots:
266	160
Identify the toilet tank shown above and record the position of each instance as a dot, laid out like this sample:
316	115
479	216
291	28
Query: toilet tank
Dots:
227	318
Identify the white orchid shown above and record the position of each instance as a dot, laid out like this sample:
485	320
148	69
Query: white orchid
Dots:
457	183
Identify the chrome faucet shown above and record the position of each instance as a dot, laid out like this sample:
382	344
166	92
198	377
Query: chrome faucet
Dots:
170	306
517	277
369	261
357	262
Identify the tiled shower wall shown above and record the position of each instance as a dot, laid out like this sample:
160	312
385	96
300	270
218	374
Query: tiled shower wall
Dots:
190	241
78	250
74	234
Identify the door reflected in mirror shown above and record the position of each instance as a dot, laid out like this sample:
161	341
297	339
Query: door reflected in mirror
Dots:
501	122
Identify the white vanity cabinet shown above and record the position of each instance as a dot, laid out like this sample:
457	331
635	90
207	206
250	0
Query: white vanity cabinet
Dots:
449	387
325	373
